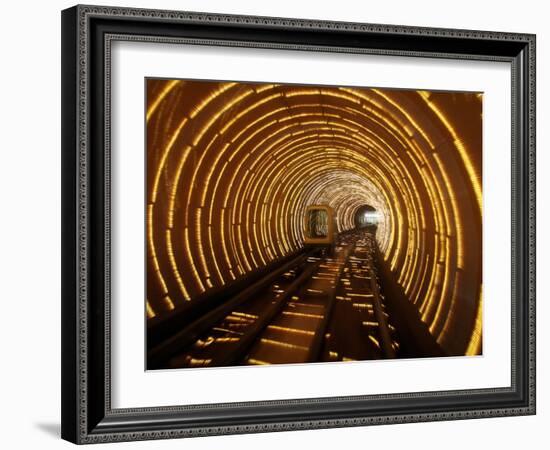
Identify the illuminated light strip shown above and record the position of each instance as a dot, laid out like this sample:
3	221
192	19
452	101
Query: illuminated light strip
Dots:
194	177
415	192
172	200
436	322
260	144
225	330
430	286
187	249
264	87
172	259
407	115
173	192
414	237
439	274
406	270
474	346
169	304
349	98
460	262
281	238
291	330
425	94
440	336
238	220
296	93
393	223
198	238
195	111
379	120
270	190
219	114
342	136
216	266
226	107
174	137
396	133
474	177
198	233
224	246
236	137
268	232
257	362
395	128
437	317
236	172
266	238
264	245
245	111
150	312
255	235
210	173
232	318
199	362
418	153
153	107
163	158
374	340
226	339
420	281
152	251
246	222
246	315
283	344
293	117
362	306
221	213
306	305
241	248
366	131
298	314
233	244
440	225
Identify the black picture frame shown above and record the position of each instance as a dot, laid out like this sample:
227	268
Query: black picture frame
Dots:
87	33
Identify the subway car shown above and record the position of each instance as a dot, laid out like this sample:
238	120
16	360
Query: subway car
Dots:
319	226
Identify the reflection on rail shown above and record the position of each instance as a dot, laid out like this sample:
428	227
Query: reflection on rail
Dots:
325	305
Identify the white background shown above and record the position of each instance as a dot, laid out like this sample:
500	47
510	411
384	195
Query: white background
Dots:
132	387
30	237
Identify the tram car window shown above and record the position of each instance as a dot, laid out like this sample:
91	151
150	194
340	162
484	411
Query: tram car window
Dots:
319	225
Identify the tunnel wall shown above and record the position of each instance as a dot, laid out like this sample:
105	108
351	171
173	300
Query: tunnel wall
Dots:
231	168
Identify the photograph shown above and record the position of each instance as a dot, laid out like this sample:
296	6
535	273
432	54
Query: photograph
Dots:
298	223
295	222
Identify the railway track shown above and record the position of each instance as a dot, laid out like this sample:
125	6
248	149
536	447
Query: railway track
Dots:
325	306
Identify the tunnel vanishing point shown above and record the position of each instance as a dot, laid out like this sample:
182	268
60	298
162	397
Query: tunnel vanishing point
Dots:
301	223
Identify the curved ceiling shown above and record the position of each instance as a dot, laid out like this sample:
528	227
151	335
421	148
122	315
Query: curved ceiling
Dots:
233	166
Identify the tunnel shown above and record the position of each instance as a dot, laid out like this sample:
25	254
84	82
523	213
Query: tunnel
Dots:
233	167
366	215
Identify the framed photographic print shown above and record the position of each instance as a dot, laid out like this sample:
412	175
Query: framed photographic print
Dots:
282	224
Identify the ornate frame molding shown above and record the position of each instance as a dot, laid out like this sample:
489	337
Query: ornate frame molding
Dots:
88	32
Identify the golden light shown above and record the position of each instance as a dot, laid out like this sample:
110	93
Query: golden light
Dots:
232	168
